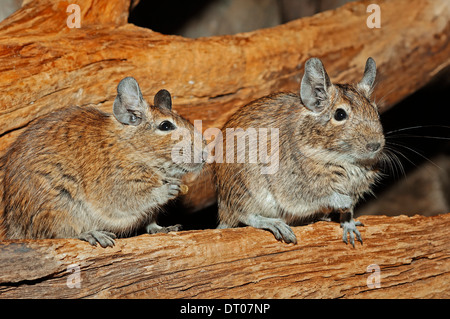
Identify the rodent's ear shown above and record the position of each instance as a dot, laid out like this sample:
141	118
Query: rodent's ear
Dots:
129	105
315	85
370	72
163	99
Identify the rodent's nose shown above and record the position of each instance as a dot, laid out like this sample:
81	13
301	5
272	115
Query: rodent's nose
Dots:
373	147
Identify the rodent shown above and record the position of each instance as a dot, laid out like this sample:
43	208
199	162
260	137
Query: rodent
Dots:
82	173
330	144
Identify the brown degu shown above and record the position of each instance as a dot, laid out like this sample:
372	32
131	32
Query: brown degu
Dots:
328	145
82	173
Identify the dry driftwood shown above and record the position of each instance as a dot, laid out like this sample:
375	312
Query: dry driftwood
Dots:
412	253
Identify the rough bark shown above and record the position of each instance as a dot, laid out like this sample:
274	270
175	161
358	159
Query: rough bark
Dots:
413	255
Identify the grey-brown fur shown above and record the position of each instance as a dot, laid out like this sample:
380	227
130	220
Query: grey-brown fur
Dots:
82	173
324	164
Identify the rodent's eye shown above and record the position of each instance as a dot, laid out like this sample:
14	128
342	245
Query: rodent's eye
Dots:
166	126
340	115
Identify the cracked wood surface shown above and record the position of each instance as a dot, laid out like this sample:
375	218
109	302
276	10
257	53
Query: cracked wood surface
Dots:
413	254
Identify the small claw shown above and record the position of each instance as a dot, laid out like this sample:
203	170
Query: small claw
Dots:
352	238
276	233
358	235
344	237
290	237
282	232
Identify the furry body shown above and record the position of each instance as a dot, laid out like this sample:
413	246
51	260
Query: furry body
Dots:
324	164
79	170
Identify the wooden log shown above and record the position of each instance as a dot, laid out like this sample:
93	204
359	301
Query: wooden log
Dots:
412	253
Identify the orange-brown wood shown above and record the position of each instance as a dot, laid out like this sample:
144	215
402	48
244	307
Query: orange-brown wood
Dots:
412	253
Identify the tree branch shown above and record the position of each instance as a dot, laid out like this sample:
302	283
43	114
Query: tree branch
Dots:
412	253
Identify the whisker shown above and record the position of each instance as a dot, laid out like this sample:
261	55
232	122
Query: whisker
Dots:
416	127
395	164
418	153
419	136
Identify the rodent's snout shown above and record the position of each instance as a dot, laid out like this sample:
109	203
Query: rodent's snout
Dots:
373	138
373	147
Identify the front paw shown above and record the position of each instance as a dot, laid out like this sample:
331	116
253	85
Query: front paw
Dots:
349	227
154	228
174	190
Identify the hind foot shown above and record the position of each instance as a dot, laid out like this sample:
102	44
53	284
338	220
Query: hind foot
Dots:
278	227
104	238
349	228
